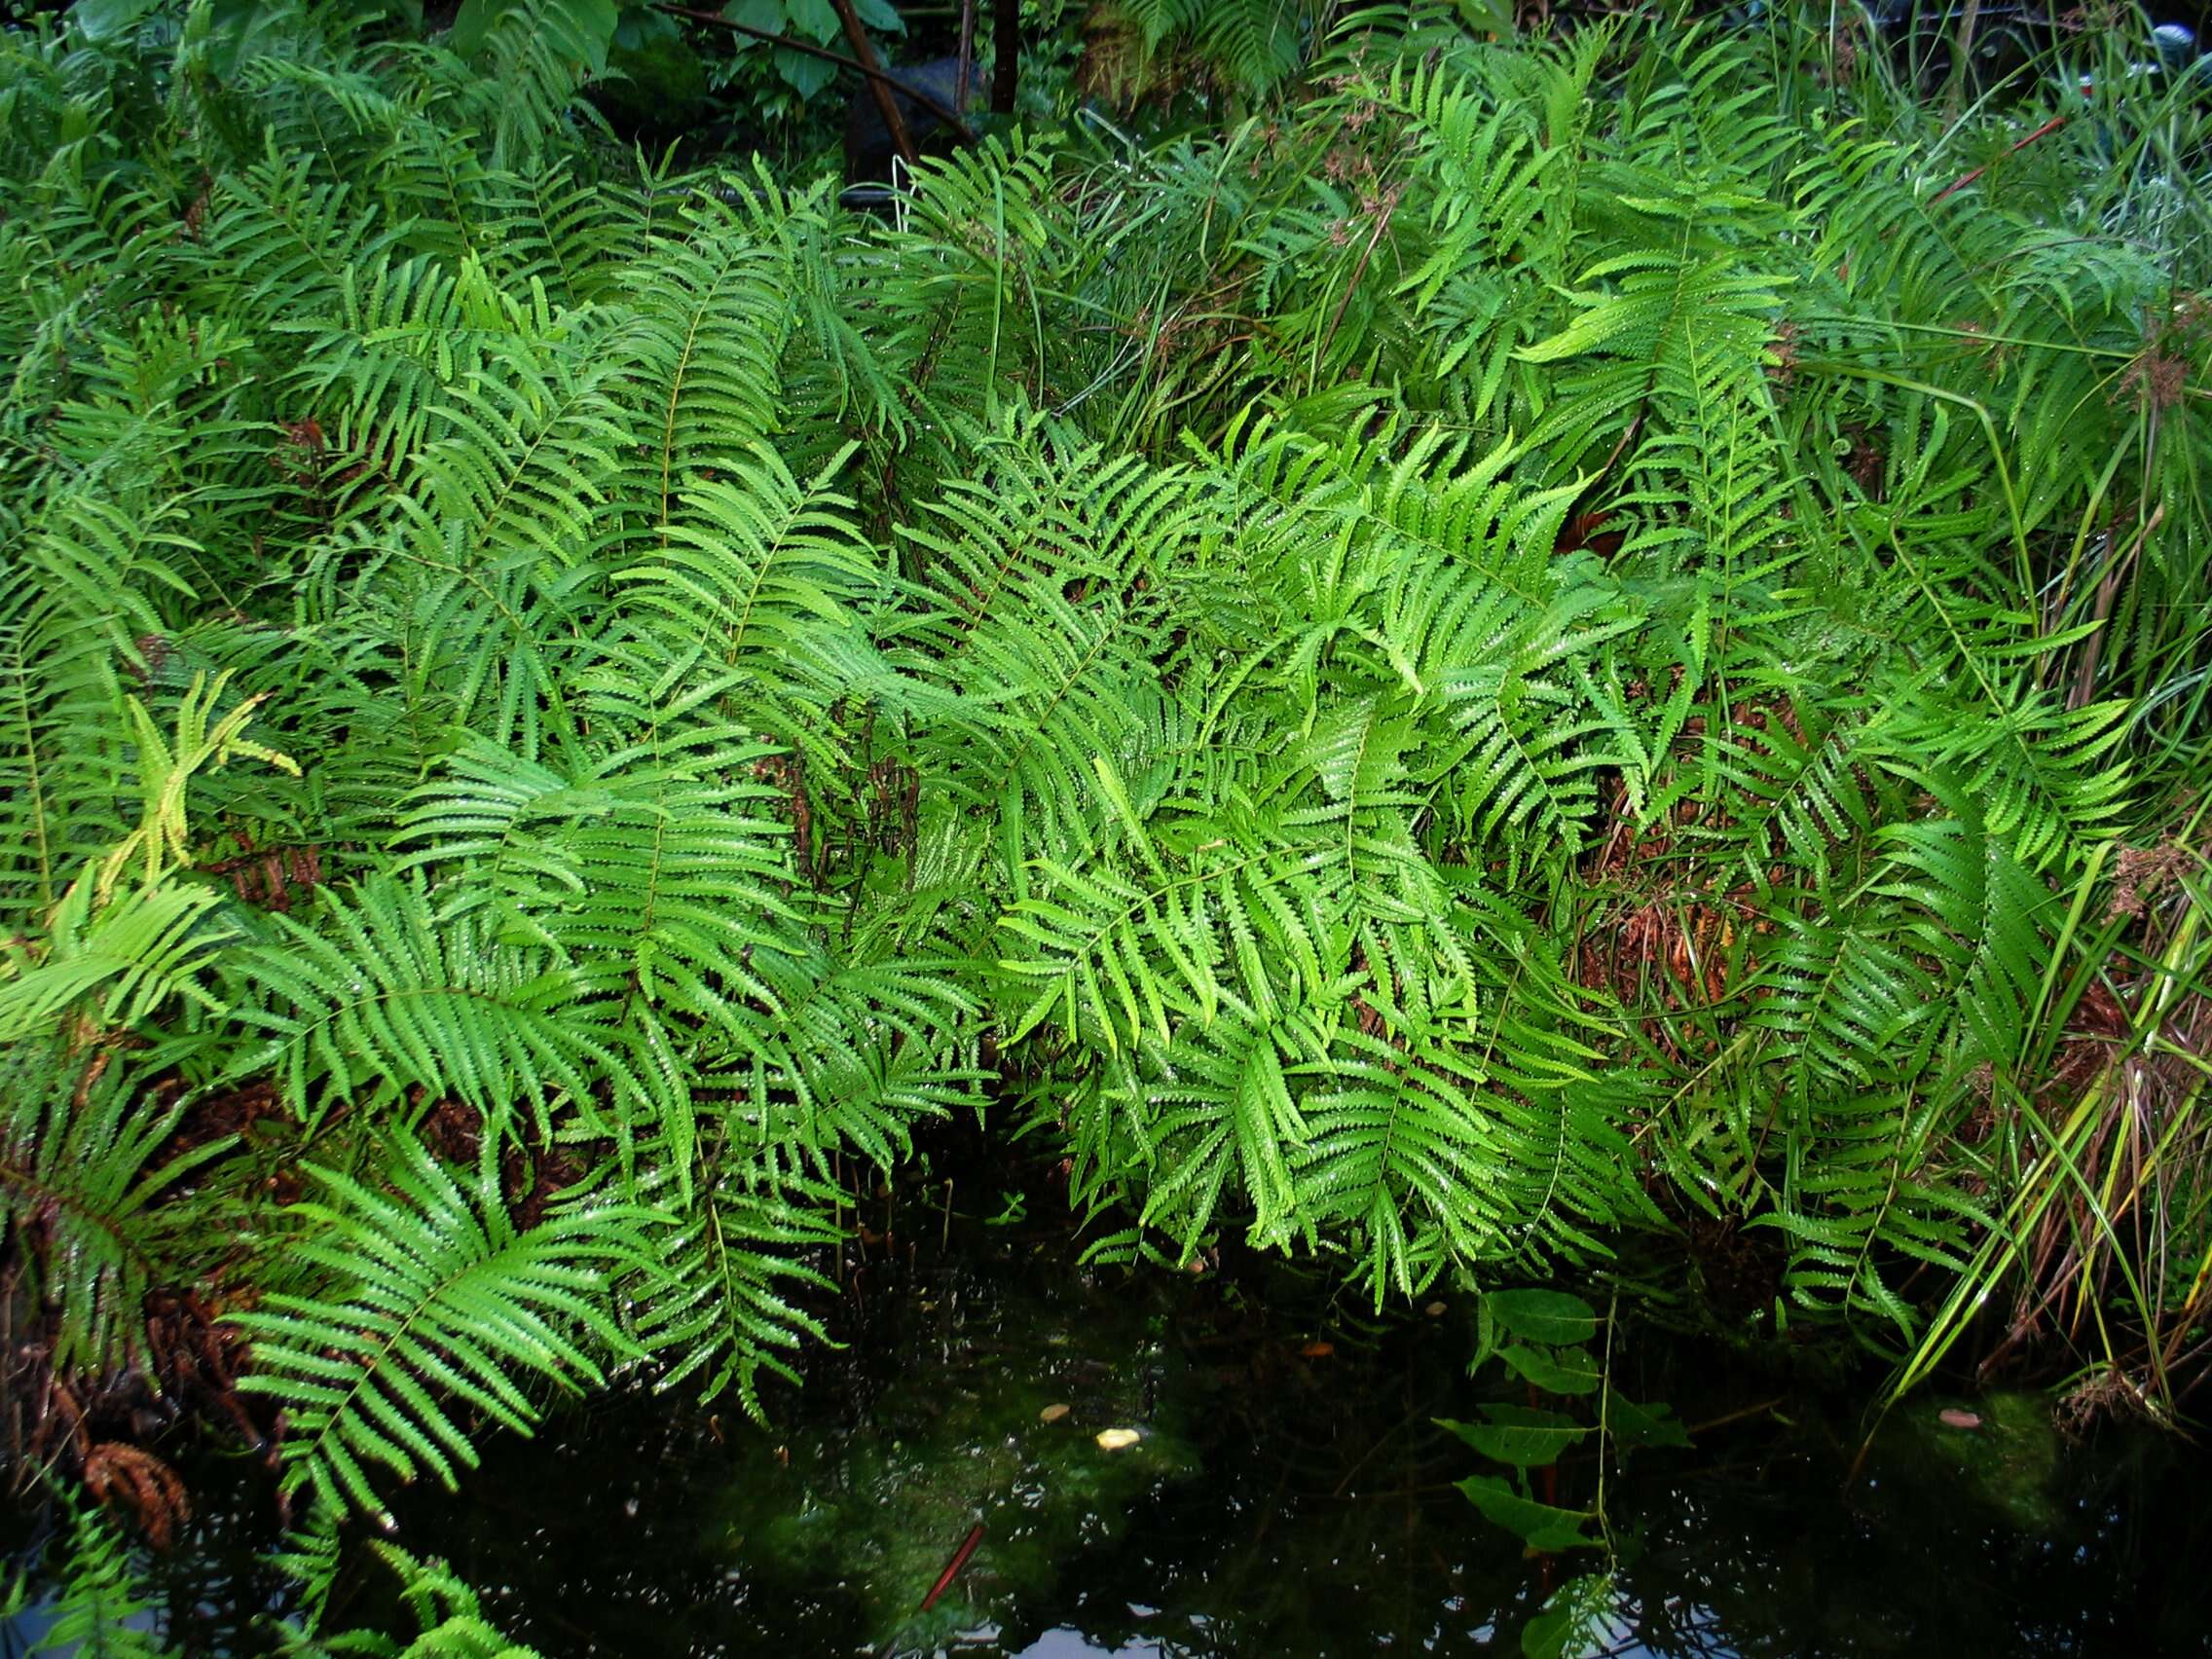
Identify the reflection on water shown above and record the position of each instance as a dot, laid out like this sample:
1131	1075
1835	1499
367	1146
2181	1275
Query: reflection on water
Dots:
1288	1494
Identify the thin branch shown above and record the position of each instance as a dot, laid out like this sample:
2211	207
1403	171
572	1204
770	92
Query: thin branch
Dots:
967	53
914	94
2050	126
878	84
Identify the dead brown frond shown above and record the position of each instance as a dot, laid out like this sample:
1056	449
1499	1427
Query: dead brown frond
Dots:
130	1479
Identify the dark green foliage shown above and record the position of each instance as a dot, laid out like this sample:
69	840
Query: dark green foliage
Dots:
1541	638
102	1611
430	1288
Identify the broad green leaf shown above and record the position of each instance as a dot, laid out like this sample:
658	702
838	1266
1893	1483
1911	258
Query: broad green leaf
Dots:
471	25
590	27
1525	1436
766	14
1555	1371
808	75
1553	1317
1540	1525
815	19
104	20
1632	1426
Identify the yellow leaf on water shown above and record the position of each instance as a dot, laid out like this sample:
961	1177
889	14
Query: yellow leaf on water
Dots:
1054	1414
1115	1439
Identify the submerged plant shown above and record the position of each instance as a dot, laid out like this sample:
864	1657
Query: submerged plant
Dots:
1544	1338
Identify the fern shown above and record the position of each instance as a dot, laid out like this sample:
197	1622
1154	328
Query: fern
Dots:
403	994
725	1314
101	1610
448	1614
1517	647
84	1171
430	1287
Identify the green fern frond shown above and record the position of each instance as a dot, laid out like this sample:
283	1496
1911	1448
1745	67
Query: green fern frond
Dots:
103	1608
432	1297
448	1613
732	1269
83	1184
390	992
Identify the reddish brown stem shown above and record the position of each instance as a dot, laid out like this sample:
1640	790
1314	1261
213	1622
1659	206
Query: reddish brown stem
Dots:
938	107
2050	126
886	104
952	1567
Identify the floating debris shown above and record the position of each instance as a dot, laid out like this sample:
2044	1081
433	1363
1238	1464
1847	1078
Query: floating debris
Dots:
952	1567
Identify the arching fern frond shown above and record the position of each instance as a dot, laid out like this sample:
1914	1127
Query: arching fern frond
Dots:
734	1267
82	1180
430	1295
448	1613
389	992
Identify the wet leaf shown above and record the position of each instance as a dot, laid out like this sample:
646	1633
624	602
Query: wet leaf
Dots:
1539	1525
104	20
1525	1436
1549	1317
1573	1620
1568	1371
1633	1426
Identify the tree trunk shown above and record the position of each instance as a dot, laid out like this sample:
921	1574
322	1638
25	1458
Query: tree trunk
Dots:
1006	45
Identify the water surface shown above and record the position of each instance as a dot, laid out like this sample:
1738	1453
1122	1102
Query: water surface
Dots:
1288	1493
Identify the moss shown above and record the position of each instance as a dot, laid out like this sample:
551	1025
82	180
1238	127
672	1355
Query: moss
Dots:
657	81
2009	1464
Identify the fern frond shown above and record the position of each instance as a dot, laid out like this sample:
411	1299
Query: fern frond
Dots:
432	1297
390	992
734	1267
103	1609
82	1184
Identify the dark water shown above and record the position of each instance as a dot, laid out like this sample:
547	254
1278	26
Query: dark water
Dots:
1287	1494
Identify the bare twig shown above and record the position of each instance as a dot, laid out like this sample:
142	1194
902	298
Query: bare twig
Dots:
952	1567
886	103
2050	126
967	71
714	19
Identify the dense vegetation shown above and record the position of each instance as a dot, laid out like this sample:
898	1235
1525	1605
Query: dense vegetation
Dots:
1542	641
